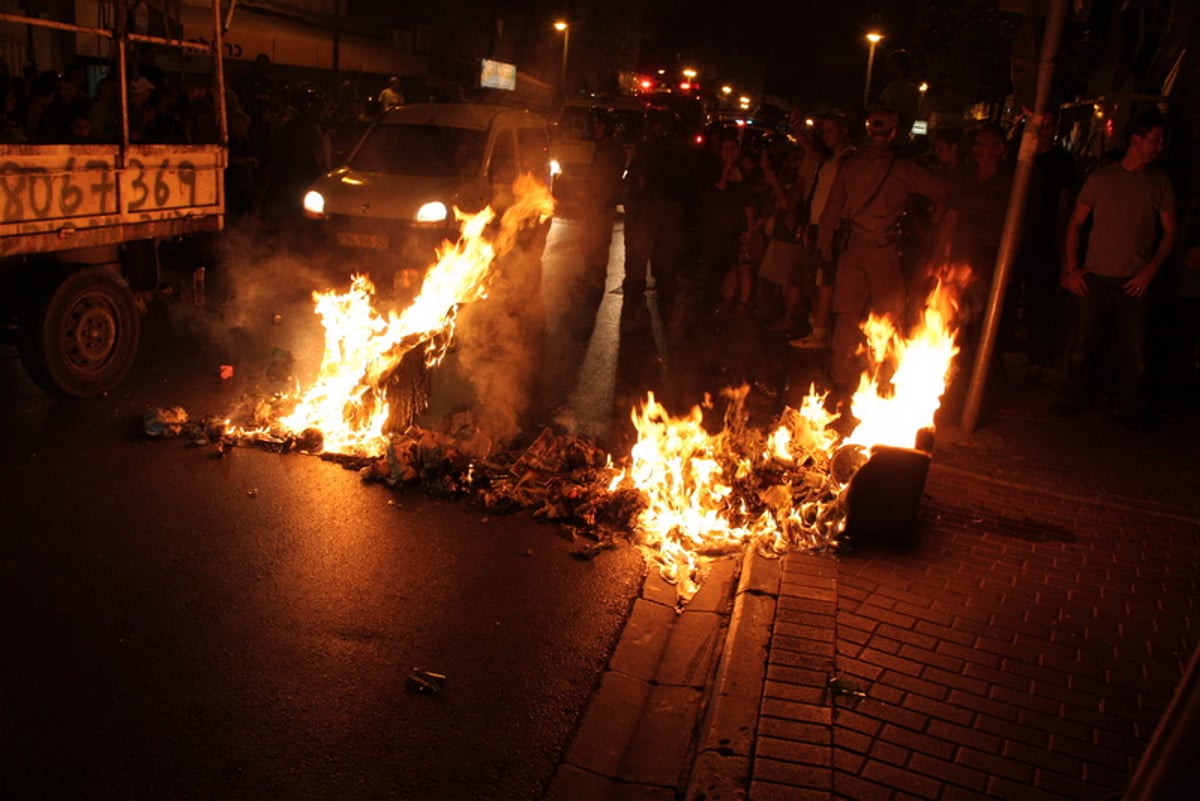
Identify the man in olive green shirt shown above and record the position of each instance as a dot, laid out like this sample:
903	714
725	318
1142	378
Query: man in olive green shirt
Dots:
1132	206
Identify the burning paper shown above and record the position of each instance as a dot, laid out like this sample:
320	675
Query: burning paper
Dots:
349	403
709	493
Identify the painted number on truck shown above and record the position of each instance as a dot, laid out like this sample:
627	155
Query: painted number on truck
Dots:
76	189
40	193
161	184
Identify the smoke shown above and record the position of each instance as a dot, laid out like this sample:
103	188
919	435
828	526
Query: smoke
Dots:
500	352
258	297
502	336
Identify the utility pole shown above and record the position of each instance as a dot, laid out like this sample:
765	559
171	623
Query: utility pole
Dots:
1051	37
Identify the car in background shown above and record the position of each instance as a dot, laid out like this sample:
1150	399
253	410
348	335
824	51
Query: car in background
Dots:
572	149
746	132
693	116
392	202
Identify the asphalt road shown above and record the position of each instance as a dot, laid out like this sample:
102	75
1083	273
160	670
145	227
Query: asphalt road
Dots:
180	626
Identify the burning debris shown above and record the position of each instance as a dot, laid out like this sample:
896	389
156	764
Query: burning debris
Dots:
165	422
425	681
683	494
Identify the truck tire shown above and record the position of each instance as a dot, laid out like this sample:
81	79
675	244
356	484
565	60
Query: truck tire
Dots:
79	336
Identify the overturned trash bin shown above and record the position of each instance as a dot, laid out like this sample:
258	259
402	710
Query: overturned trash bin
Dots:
884	495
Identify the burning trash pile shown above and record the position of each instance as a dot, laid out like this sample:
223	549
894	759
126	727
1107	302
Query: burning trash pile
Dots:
683	493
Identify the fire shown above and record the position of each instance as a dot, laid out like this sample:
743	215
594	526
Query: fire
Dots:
679	468
347	403
792	477
705	493
891	409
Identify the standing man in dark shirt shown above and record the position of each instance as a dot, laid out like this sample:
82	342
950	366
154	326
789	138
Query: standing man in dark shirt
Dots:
598	206
869	196
1132	206
658	185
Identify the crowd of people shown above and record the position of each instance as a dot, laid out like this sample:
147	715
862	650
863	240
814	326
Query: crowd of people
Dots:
849	214
809	230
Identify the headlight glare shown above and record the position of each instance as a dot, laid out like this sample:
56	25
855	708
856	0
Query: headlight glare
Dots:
314	204
433	211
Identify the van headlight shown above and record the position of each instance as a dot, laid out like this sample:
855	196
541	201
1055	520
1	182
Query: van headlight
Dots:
555	168
314	204
433	211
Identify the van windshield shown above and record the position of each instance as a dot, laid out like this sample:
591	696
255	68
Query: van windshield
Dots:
431	151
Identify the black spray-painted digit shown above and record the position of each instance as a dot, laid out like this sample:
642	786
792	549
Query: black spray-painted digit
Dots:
104	185
138	185
72	196
162	192
187	177
41	206
12	184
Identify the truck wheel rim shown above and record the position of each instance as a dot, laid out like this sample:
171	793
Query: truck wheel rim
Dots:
90	333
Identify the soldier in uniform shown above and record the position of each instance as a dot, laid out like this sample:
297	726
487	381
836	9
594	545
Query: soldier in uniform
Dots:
866	202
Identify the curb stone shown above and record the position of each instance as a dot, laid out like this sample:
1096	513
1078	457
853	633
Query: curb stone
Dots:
721	770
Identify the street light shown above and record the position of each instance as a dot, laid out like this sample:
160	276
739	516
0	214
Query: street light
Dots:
565	29
923	87
874	38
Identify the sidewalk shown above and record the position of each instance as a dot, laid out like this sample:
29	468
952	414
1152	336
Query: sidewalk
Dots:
1024	649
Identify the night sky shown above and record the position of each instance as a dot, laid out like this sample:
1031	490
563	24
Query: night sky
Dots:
810	50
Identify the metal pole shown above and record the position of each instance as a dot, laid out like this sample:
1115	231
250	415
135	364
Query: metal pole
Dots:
218	56
1168	760
337	46
122	37
566	45
1012	221
870	66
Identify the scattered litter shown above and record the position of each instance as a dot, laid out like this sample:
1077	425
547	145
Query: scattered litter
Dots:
164	422
276	318
252	493
837	685
425	681
226	372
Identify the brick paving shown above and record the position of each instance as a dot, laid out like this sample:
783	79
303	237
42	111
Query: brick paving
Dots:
1024	648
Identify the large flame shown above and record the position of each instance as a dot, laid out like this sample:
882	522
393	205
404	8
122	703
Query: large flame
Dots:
687	475
348	402
901	390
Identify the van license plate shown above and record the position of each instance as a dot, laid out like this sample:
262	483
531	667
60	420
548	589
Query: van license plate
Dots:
352	240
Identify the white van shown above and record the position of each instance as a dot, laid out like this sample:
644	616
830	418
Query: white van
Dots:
392	203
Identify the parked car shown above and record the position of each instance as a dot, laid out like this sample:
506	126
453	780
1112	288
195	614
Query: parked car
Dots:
392	203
